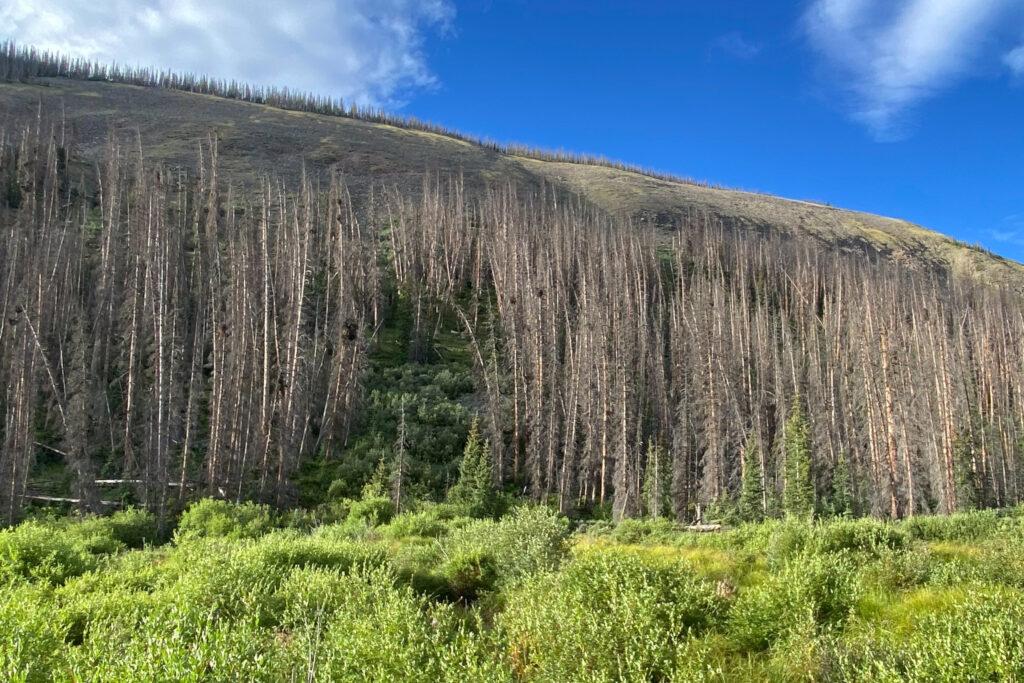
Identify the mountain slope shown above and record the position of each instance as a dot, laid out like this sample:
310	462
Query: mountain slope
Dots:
256	139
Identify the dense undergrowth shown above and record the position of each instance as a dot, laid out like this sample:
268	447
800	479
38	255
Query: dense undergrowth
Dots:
356	592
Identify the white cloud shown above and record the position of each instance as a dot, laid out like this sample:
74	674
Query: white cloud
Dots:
893	53
1009	230
1015	60
369	51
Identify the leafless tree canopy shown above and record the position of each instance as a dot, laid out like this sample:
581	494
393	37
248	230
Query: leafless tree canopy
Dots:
167	331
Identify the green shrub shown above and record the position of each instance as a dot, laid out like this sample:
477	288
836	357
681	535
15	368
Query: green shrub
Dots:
962	526
425	524
229	579
37	552
222	579
284	550
468	575
645	530
607	618
788	539
31	635
169	643
339	490
529	540
870	536
92	535
361	626
971	635
374	511
136	570
223	519
349	529
898	570
810	594
133	527
994	562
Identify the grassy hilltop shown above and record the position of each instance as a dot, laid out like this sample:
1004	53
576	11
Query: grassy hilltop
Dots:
257	139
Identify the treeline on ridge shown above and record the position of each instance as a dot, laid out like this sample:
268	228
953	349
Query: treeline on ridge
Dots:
26	64
176	334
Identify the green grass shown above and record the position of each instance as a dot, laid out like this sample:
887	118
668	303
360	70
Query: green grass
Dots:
430	595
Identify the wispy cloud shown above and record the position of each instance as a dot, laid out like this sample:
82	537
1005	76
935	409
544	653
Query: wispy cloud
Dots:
893	53
1015	60
736	45
369	51
1010	230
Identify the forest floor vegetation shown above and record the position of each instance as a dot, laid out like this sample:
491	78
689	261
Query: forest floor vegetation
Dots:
354	591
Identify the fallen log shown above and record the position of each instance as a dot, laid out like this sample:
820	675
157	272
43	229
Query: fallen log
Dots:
116	482
57	499
704	528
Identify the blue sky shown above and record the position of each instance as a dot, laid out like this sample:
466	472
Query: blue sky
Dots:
908	108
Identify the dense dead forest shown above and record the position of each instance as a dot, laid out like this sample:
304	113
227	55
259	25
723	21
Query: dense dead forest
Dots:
161	329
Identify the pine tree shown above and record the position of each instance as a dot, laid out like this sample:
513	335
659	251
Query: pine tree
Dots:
398	471
751	506
842	489
657	489
966	479
798	494
377	485
475	487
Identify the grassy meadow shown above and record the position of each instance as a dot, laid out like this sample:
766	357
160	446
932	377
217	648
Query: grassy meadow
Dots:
353	591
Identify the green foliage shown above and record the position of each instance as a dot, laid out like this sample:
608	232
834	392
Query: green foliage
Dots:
212	518
529	540
798	495
431	522
968	486
468	574
37	552
862	535
974	525
657	489
431	398
377	485
374	510
751	505
132	528
811	593
607	618
361	626
644	530
475	488
841	501
437	596
31	636
971	635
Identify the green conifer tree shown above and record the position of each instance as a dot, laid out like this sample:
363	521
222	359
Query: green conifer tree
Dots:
798	493
657	496
475	487
842	488
751	506
377	485
966	480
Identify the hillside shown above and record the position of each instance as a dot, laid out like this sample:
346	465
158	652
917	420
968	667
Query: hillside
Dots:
258	139
329	302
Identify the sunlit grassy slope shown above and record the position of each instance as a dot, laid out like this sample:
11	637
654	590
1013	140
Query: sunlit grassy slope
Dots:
256	139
